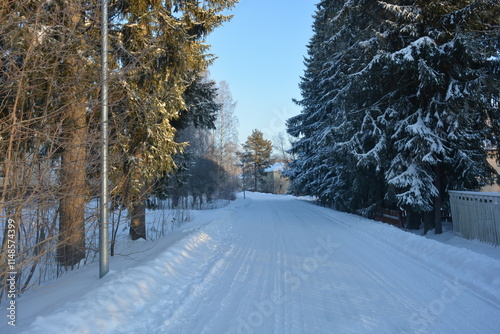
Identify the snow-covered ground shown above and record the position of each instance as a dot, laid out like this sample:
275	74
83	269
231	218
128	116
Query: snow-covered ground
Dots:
276	264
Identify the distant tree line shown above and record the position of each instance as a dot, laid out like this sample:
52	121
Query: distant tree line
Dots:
399	101
49	114
208	167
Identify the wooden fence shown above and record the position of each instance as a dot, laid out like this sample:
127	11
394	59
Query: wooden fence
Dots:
394	217
476	215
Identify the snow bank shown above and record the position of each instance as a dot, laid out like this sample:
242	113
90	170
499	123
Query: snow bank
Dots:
122	300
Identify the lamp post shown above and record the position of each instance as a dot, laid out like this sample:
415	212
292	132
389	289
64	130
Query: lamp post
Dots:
242	166
244	185
103	222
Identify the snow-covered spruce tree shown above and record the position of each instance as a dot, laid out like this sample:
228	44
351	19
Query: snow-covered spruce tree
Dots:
396	102
327	165
312	169
440	112
159	51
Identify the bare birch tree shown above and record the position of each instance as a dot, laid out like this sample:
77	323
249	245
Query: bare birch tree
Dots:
225	134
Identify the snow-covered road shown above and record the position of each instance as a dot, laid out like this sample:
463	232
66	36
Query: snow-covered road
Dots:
277	264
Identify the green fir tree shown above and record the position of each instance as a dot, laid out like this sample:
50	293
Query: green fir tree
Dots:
256	157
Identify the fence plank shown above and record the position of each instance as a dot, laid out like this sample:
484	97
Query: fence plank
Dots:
476	215
392	217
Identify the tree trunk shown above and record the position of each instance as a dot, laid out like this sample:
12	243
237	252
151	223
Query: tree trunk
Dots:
138	220
137	207
413	220
438	202
255	178
71	247
428	221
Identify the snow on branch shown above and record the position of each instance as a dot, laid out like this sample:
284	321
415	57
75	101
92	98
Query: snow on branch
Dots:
414	49
417	187
410	13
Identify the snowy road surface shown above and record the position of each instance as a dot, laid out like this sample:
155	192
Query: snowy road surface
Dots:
277	264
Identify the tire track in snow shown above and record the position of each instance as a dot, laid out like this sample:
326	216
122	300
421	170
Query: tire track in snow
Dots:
444	285
389	237
274	264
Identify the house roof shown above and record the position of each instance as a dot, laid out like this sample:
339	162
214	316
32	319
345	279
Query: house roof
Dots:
276	167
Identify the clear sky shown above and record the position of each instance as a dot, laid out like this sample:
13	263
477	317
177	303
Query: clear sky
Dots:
261	55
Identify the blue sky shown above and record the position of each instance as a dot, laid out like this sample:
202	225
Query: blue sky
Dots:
260	54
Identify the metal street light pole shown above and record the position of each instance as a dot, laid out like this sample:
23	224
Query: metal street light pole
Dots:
103	223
